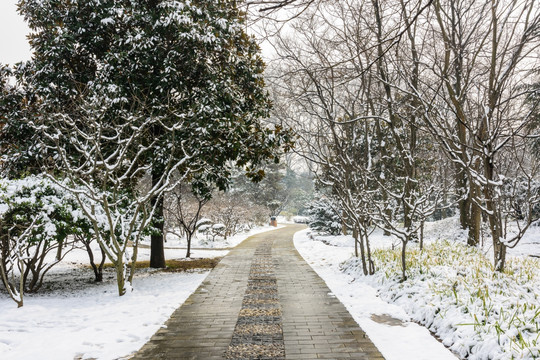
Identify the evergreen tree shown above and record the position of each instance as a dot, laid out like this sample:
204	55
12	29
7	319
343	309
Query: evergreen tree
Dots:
188	64
324	217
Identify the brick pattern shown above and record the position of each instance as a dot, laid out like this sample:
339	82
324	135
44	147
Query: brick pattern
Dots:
258	333
316	325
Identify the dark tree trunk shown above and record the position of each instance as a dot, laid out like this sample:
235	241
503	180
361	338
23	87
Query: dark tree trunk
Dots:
464	202
188	238
475	213
98	270
403	260
362	249
157	252
355	236
422	235
370	264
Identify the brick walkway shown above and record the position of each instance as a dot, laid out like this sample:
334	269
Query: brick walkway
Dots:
310	323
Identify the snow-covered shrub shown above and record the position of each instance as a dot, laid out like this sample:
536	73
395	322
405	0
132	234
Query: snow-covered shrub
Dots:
323	217
454	291
203	223
204	226
300	219
212	231
36	217
218	230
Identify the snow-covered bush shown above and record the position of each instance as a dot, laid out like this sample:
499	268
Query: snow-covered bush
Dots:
204	226
212	231
218	230
323	217
300	219
36	217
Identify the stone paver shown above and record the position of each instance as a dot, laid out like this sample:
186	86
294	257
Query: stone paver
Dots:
315	325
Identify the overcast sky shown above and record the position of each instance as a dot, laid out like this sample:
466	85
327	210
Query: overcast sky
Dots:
13	44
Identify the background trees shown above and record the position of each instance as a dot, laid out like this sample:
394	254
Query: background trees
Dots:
383	113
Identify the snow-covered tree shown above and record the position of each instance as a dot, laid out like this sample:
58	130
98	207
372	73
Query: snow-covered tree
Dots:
182	212
189	63
236	210
324	216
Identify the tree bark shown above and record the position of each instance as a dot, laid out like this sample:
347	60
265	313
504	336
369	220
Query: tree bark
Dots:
157	251
474	220
189	236
98	270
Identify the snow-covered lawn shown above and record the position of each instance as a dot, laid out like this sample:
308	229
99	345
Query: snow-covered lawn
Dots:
74	318
451	289
92	322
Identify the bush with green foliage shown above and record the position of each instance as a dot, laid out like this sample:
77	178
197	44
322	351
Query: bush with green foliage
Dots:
324	218
36	218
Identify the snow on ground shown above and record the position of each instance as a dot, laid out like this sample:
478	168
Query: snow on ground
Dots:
74	318
399	340
93	322
451	289
201	242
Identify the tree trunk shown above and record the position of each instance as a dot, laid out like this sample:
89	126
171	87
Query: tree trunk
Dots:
464	203
189	235
355	236
494	217
98	270
344	224
403	260
120	276
362	250
474	220
422	223
474	211
99	277
371	265
157	252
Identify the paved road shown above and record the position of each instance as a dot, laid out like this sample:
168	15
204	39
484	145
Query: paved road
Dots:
262	301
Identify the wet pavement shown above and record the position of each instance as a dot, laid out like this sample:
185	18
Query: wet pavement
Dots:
262	301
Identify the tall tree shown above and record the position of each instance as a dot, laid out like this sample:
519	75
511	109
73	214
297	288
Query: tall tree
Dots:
190	65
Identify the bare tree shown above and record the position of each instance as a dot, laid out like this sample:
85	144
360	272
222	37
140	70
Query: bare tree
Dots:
358	129
182	211
478	91
235	211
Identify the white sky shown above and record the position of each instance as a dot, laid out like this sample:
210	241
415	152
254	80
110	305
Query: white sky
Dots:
13	44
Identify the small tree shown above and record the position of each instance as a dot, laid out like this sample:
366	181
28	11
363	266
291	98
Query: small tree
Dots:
324	217
36	218
183	210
